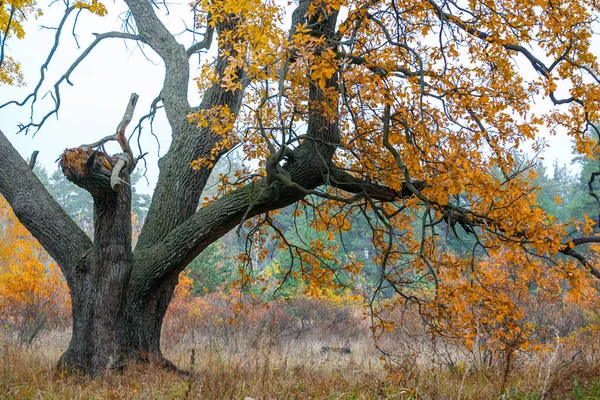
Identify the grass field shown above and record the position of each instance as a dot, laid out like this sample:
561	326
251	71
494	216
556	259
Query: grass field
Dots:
290	370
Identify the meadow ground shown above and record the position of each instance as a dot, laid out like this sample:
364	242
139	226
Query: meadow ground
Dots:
293	369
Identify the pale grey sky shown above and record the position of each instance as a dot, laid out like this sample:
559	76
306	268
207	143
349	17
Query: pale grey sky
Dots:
92	108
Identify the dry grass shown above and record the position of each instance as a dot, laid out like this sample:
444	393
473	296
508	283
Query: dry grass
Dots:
276	353
30	373
294	370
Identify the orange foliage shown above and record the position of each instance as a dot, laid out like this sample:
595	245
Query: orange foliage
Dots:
498	309
428	92
32	290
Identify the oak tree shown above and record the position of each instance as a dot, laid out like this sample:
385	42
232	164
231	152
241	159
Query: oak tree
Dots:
408	112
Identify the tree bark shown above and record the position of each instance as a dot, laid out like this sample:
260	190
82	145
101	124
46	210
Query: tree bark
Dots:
175	232
179	187
99	297
145	315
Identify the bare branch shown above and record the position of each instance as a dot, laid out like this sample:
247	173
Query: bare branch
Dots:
64	78
205	43
128	114
342	180
582	260
44	66
5	34
33	159
583	240
98	143
592	192
153	109
40	213
120	135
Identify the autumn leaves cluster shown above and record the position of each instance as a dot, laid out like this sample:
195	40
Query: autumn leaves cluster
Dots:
33	293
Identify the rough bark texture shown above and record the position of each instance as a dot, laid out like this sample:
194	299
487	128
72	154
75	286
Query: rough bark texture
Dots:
120	298
99	298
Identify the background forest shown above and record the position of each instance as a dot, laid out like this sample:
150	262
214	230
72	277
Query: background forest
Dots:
282	338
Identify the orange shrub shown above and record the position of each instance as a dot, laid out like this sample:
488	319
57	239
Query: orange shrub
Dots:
33	294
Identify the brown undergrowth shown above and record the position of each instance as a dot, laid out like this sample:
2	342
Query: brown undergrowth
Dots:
274	374
296	353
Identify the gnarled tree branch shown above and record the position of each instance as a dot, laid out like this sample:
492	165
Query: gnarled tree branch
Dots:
39	212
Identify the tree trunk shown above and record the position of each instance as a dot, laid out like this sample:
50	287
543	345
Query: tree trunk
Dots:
144	321
99	295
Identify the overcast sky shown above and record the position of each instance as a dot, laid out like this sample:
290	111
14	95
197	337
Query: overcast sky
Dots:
93	107
103	83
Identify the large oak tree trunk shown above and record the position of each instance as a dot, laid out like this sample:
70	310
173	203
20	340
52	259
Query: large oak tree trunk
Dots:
99	294
155	269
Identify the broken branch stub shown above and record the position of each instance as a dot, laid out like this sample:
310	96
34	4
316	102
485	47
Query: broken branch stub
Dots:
115	180
89	169
120	135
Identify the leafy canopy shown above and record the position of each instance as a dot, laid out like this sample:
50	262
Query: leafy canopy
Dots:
433	98
436	97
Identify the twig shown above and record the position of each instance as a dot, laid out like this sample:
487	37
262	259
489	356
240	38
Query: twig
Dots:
206	42
5	34
44	66
64	78
550	363
462	382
